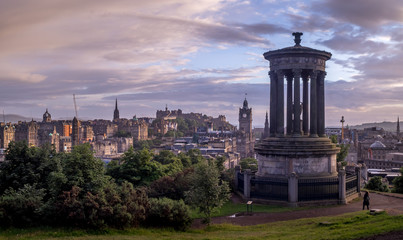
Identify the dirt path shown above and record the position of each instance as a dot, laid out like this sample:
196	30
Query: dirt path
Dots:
392	205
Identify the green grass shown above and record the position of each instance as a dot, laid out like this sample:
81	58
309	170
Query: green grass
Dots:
347	226
230	208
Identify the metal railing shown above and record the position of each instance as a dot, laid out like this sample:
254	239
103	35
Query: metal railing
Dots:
351	184
318	189
269	188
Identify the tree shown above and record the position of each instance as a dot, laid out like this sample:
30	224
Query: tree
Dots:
195	156
249	163
24	165
137	168
398	183
220	160
341	156
83	170
207	192
376	184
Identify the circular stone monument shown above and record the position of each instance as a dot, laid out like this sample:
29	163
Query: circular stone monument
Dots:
303	147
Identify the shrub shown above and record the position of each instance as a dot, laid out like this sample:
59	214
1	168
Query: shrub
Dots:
165	212
398	183
21	207
173	187
376	184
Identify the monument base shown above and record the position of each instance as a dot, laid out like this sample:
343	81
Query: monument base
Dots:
304	156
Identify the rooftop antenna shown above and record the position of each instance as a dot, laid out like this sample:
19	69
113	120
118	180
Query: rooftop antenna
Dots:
75	105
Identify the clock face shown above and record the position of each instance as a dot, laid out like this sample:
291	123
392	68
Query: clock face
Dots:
244	115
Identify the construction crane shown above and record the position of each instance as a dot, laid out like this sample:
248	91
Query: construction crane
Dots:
75	105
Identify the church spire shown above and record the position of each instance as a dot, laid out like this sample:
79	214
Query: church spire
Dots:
116	112
266	131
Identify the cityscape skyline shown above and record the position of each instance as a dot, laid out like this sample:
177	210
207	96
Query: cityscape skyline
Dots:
199	57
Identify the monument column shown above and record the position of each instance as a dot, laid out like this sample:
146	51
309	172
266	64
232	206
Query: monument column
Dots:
313	103
280	103
297	102
289	104
273	103
321	103
305	110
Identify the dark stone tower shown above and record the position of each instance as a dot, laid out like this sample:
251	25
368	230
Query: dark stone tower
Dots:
245	143
266	132
245	118
47	117
76	132
116	112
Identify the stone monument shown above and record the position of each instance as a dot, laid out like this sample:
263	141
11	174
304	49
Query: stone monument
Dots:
303	148
296	162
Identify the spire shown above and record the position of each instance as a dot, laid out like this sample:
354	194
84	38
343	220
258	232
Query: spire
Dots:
398	128
245	102
116	112
266	131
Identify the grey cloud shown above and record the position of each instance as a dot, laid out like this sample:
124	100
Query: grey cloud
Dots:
353	44
311	23
364	13
262	28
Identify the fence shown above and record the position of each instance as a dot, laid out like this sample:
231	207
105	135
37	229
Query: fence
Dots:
240	182
351	184
318	189
269	188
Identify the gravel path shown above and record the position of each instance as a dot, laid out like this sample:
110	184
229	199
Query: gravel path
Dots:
392	204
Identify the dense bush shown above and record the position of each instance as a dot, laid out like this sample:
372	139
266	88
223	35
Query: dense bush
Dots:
41	187
398	183
115	206
21	207
173	187
165	212
376	184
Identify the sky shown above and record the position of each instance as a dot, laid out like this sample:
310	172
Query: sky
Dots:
199	56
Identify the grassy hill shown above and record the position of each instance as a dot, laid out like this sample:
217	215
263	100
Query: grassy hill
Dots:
347	226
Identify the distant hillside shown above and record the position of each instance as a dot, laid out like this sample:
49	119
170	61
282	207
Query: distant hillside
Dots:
388	126
15	118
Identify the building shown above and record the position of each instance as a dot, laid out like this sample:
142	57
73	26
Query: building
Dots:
245	138
75	137
7	134
27	132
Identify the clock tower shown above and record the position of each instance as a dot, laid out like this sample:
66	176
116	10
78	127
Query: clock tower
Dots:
245	118
245	142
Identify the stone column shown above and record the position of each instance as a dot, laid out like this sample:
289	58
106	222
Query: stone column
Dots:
342	186
305	109
321	104
297	102
313	103
247	175
273	103
280	104
289	104
293	190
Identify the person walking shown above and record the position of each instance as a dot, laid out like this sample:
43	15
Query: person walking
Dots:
366	200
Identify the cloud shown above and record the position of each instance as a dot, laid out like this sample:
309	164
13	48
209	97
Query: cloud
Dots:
353	44
363	13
